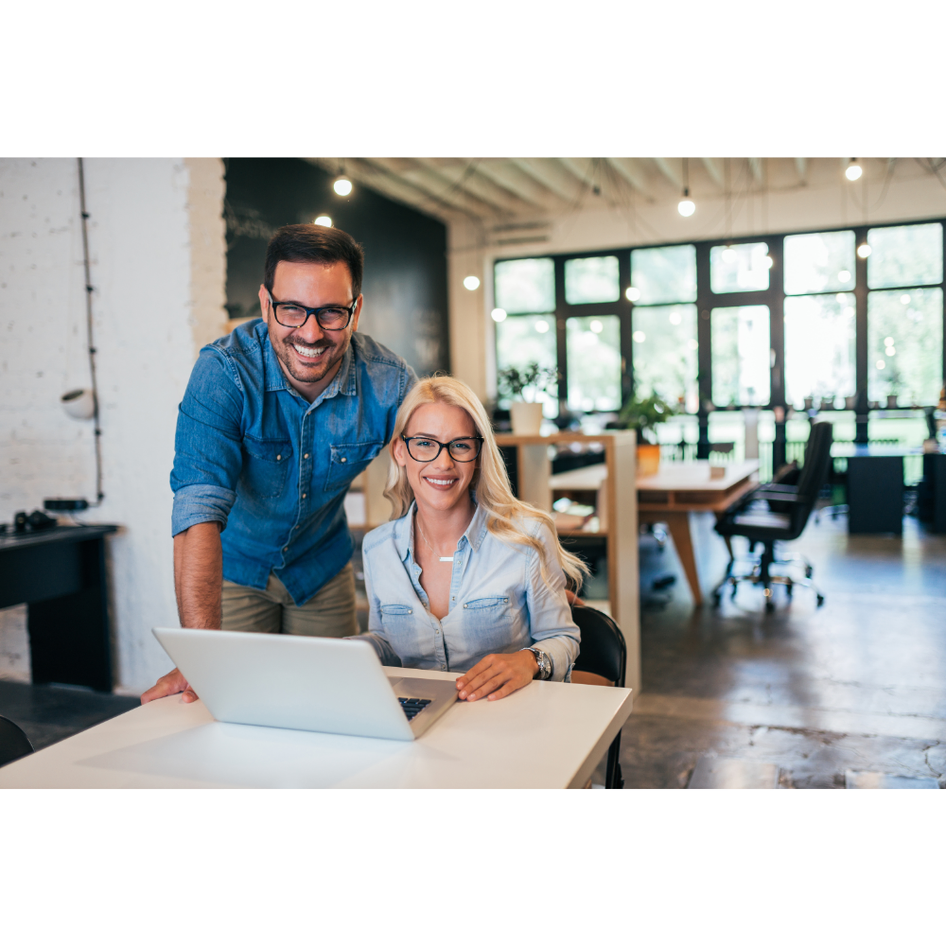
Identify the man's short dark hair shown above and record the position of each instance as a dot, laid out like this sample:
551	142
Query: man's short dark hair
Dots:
311	243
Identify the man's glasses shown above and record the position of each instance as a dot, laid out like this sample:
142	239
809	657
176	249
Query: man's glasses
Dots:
424	449
330	317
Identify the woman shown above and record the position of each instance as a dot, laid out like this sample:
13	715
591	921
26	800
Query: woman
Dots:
465	577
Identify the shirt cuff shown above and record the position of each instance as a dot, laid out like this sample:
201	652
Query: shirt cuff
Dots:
201	503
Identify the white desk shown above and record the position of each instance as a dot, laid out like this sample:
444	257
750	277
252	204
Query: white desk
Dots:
547	735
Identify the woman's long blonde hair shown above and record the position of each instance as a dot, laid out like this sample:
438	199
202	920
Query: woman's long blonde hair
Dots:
490	480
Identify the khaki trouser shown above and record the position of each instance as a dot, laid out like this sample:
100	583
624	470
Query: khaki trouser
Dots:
331	613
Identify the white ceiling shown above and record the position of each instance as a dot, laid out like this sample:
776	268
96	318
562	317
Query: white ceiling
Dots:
512	191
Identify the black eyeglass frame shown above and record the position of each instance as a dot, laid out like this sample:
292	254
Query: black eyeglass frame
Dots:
328	328
440	446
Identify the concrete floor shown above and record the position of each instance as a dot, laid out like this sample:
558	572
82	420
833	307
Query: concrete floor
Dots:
858	685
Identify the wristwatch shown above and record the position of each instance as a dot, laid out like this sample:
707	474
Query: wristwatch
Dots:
544	662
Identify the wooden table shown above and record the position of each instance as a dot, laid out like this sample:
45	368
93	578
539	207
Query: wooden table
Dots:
676	490
546	735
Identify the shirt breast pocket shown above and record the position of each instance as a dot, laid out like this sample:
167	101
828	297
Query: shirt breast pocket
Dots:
348	460
265	466
489	620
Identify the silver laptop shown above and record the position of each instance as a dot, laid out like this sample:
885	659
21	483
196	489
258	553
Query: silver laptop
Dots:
314	683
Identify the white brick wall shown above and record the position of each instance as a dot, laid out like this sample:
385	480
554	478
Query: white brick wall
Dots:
157	247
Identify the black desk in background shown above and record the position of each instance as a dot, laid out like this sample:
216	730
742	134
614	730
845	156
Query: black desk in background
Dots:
60	575
875	486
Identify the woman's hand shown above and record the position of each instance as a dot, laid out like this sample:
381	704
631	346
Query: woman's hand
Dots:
497	675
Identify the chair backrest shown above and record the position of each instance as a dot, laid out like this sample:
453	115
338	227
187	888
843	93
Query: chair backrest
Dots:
817	459
13	742
603	651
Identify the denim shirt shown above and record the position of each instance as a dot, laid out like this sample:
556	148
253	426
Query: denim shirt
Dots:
499	603
252	454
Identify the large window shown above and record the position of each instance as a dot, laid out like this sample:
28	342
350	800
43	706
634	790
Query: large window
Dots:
777	321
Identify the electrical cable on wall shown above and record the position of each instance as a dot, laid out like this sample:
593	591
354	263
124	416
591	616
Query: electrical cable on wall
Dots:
84	404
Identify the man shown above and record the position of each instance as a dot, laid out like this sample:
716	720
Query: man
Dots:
278	418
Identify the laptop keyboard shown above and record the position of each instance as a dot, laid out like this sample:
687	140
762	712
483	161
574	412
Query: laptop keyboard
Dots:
411	706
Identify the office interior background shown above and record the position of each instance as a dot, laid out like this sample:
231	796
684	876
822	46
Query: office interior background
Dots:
760	298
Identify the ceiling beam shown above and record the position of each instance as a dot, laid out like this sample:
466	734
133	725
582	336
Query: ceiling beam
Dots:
549	174
669	172
631	172
714	171
801	165
481	187
510	176
433	187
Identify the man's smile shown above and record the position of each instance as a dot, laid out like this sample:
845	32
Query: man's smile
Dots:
308	352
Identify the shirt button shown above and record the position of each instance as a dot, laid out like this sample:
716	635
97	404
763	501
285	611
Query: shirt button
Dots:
342	459
295	527
278	456
303	495
305	456
286	549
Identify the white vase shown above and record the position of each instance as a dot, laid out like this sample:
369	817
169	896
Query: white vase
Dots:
526	418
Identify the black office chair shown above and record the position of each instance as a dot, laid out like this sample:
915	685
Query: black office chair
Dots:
777	512
603	654
13	742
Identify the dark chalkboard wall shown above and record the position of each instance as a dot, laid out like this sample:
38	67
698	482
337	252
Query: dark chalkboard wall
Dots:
405	282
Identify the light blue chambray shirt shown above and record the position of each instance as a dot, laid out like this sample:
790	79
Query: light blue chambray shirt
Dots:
499	603
254	455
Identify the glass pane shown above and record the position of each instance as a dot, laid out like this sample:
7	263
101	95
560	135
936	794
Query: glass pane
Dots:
665	353
522	339
525	285
905	345
819	347
819	262
664	274
742	267
905	256
592	280
594	363
741	355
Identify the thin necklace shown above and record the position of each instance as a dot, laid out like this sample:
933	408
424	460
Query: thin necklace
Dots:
443	558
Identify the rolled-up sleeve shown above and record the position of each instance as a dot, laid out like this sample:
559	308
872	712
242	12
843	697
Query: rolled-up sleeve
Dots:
551	626
207	446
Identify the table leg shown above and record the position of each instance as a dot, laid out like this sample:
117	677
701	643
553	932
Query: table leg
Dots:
679	525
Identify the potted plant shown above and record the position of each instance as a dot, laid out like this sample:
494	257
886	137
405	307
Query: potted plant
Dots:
521	385
894	389
643	414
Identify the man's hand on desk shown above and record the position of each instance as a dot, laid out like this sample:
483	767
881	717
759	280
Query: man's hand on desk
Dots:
497	675
172	682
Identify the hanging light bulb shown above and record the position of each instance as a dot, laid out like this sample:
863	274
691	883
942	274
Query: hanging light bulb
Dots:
686	207
499	315
323	220
342	186
471	283
729	255
853	171
863	251
632	293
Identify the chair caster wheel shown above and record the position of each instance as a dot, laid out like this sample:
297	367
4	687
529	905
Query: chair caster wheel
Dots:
808	572
769	606
717	597
820	600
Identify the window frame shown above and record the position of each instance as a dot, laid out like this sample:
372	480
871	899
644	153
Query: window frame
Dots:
707	300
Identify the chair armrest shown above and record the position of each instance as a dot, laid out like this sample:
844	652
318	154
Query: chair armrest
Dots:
781	488
778	496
